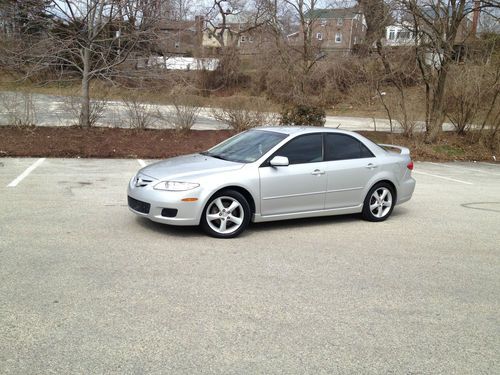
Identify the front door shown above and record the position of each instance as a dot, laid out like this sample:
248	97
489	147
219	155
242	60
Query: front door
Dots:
301	185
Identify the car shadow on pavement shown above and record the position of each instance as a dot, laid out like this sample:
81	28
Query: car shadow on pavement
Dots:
194	231
171	230
318	221
306	222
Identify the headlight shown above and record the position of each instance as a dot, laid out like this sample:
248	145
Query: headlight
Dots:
175	186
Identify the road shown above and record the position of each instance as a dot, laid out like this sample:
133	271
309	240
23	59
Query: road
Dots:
89	288
54	110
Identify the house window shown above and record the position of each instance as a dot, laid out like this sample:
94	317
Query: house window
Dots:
340	21
323	23
250	39
338	37
243	38
177	45
404	35
319	36
392	34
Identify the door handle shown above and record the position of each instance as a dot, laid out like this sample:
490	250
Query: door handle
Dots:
317	172
371	166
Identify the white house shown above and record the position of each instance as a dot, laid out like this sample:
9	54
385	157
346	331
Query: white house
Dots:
399	34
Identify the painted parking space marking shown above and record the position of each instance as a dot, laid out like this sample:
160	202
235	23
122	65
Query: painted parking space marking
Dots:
28	170
484	162
141	162
443	177
467	168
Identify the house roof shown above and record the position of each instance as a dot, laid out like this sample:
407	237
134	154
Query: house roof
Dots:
176	25
332	13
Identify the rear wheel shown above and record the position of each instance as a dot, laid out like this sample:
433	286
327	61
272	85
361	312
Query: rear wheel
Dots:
379	202
226	215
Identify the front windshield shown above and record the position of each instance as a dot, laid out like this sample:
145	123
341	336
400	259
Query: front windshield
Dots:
246	147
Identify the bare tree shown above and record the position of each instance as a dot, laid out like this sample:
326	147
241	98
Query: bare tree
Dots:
227	20
299	49
440	27
378	15
88	39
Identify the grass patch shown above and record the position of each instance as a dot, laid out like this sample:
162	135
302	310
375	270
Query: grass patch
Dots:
450	151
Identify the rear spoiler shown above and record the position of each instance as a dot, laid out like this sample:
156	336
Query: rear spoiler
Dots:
402	150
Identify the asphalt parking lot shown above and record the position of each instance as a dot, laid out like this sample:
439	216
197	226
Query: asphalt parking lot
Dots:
88	287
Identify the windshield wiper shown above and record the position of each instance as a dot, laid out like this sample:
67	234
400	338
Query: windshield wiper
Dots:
216	156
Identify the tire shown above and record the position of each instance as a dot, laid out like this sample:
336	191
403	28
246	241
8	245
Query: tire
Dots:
379	202
226	215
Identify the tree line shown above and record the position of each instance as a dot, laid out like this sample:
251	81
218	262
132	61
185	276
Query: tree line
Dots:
94	39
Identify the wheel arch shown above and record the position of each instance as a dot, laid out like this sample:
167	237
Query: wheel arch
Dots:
390	183
248	196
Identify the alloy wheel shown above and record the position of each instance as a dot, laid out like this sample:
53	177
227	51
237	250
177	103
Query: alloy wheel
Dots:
381	202
225	215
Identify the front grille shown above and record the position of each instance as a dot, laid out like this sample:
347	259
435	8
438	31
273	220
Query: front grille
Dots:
138	206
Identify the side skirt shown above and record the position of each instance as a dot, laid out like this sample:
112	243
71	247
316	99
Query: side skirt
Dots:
257	218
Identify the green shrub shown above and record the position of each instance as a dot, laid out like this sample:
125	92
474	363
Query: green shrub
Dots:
303	115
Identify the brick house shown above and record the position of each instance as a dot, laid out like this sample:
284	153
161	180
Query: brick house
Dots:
182	37
239	34
335	31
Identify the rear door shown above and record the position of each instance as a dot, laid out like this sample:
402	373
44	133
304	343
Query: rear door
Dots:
299	186
349	165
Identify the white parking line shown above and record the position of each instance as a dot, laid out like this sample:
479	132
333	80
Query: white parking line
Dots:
467	168
443	177
484	162
141	162
28	170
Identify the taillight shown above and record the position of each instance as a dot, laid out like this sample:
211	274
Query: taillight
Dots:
410	166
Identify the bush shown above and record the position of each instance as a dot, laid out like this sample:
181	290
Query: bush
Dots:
466	89
139	115
242	114
19	108
184	113
303	115
98	105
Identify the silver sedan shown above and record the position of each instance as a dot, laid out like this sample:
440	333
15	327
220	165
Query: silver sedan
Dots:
274	173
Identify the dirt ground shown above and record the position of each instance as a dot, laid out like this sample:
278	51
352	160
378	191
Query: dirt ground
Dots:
126	143
104	142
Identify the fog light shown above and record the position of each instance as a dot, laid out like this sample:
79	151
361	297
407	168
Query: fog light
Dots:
169	212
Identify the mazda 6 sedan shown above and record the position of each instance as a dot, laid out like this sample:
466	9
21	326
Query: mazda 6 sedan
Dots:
274	173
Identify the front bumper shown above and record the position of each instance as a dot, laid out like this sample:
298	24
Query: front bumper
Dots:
163	203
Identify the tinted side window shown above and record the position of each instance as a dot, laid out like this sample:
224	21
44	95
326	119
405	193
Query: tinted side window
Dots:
342	147
303	149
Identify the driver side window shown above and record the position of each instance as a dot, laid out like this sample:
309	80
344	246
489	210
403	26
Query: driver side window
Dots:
303	149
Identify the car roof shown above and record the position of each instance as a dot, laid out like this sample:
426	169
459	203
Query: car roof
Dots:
295	130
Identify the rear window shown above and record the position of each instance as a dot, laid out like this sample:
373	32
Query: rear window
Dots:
343	147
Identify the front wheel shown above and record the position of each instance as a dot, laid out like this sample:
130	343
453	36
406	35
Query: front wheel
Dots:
226	215
379	202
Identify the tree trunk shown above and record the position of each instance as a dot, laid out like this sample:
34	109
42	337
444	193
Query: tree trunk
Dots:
437	112
85	98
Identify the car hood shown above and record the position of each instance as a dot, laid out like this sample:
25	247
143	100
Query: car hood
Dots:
188	166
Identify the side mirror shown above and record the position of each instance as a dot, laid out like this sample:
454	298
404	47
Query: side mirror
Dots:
279	161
